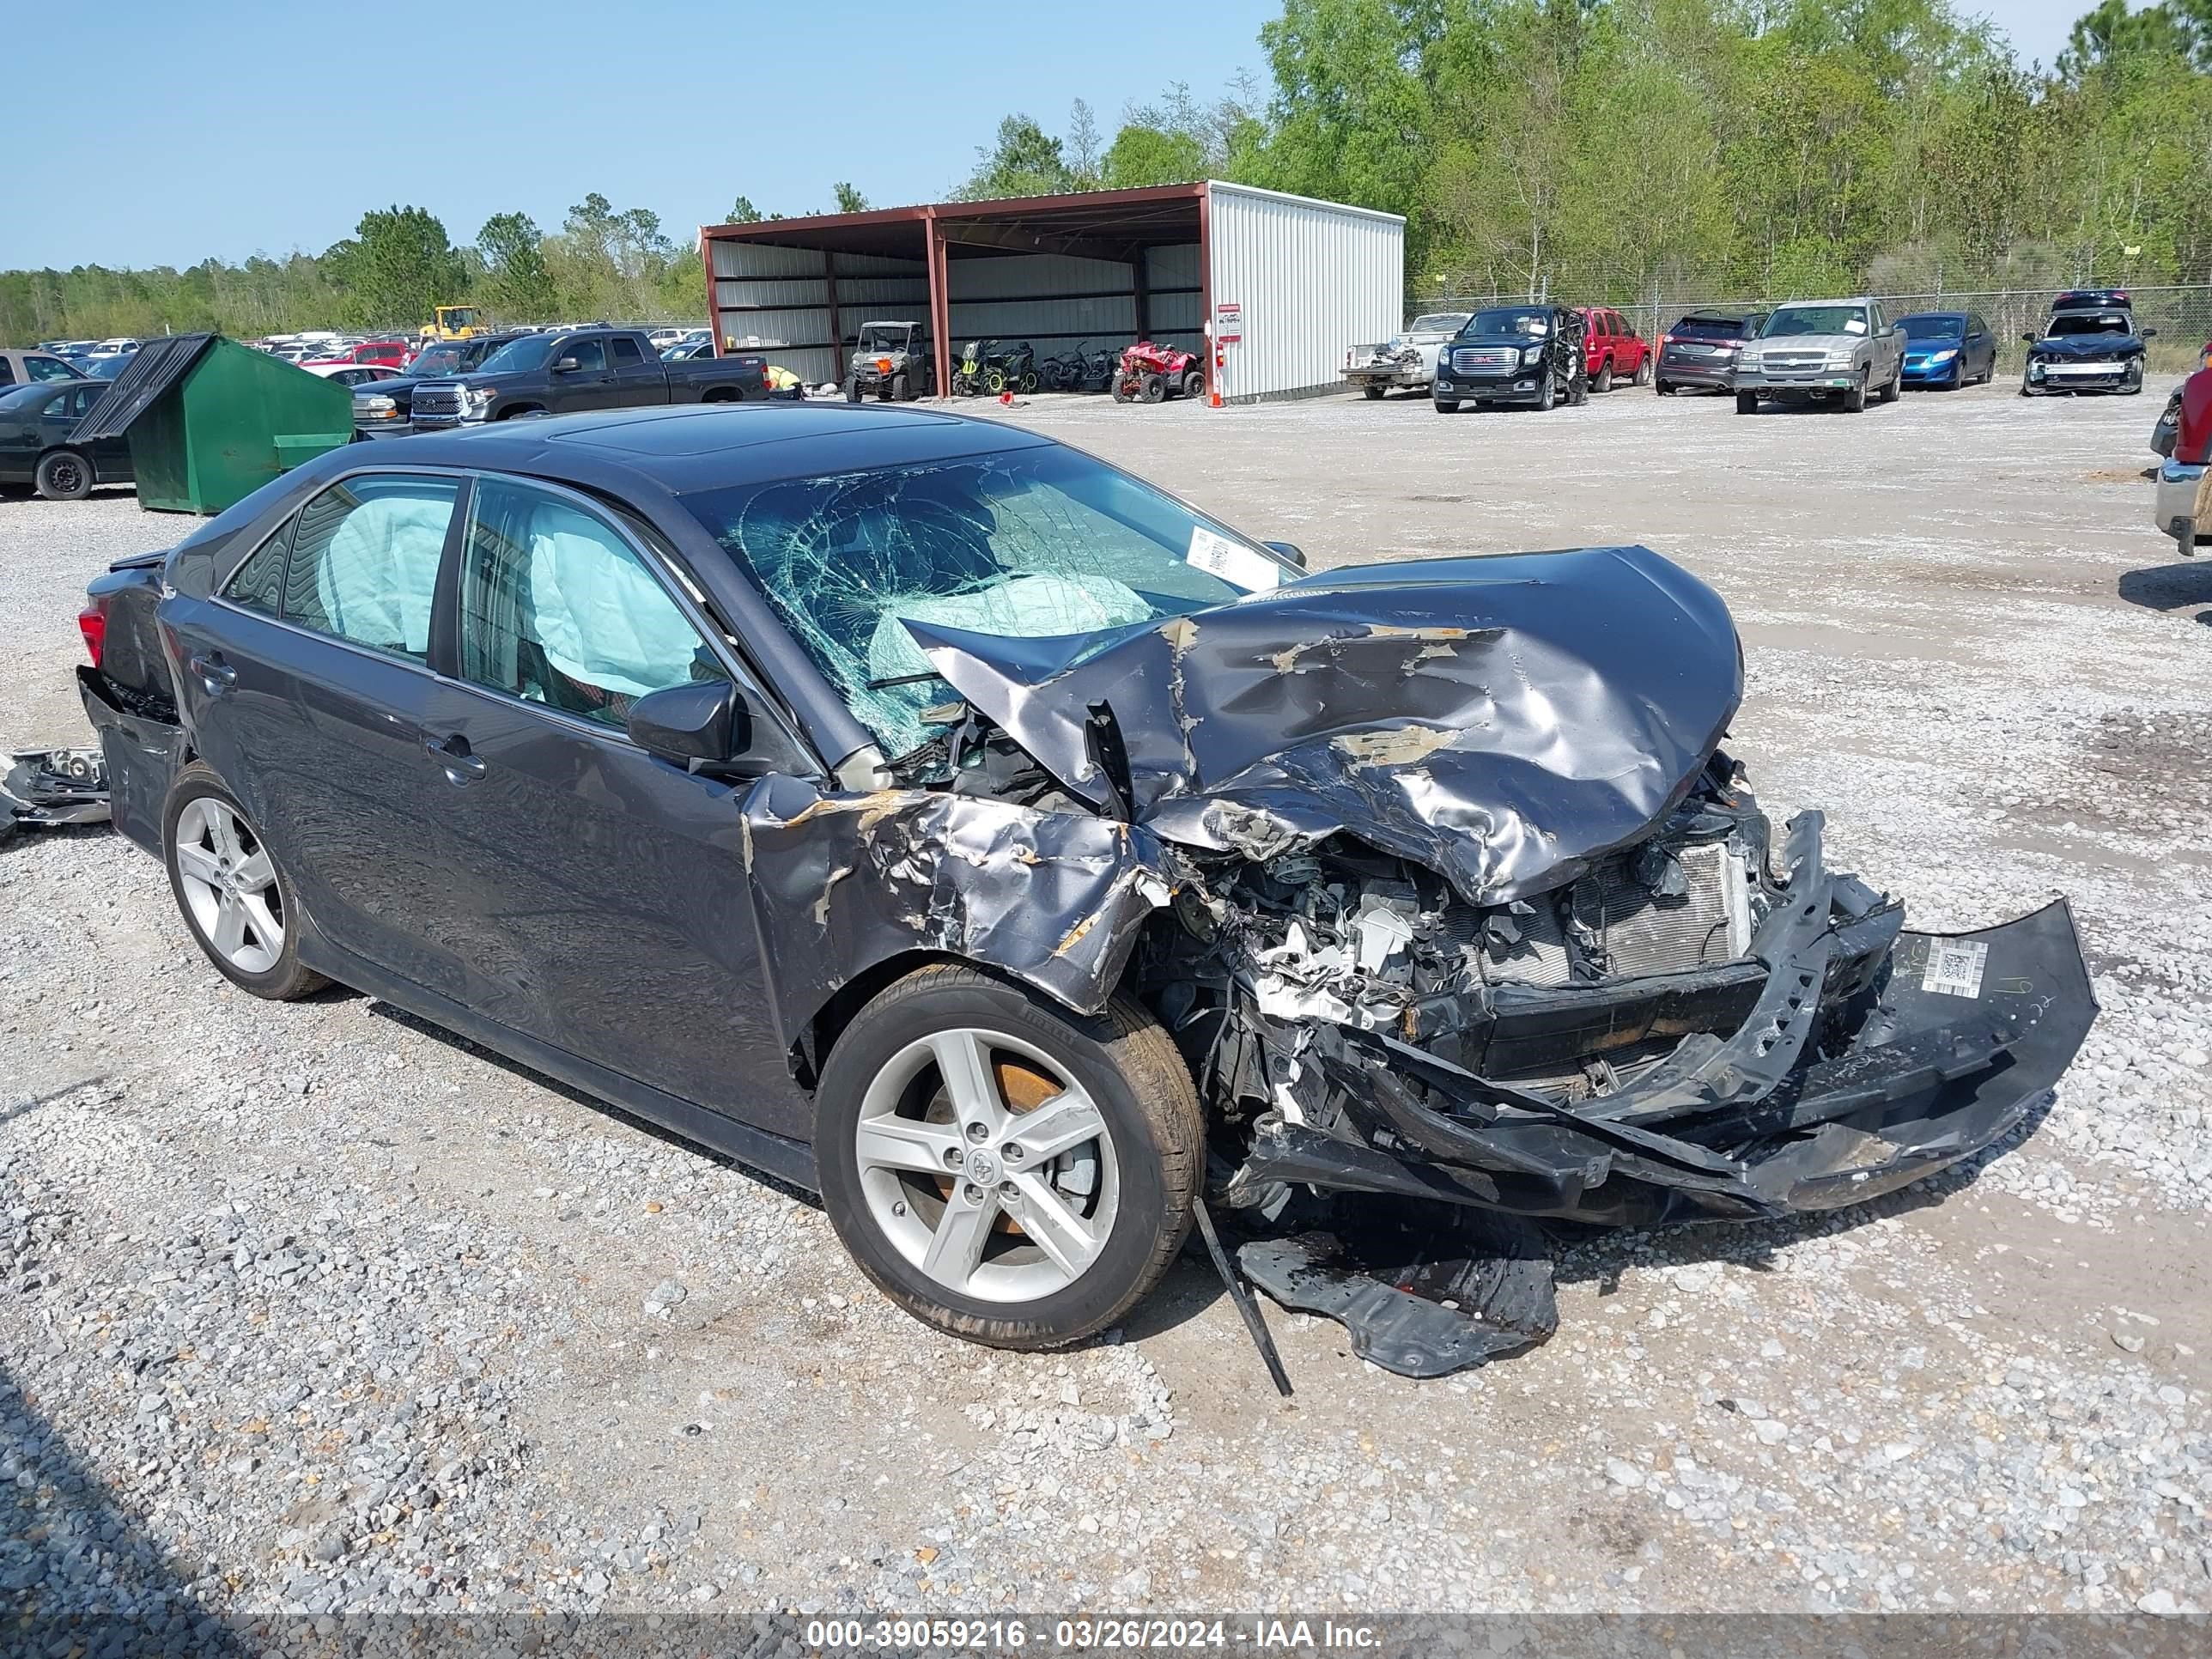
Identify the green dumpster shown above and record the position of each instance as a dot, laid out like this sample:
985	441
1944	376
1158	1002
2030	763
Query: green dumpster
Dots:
209	421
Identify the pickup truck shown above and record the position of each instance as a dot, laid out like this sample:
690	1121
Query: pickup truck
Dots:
1407	359
1822	350
568	373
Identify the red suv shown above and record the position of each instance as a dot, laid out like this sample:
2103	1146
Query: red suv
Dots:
1613	350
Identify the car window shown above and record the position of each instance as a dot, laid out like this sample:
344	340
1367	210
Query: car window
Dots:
49	368
80	399
7	373
364	564
588	354
626	352
258	583
558	609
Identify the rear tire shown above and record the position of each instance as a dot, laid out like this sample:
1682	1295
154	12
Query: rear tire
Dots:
1644	370
1372	394
233	895
64	475
1119	1203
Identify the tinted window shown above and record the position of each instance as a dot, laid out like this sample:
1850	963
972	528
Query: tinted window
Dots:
588	354
626	351
259	584
557	609
1935	326
365	562
49	368
1508	323
7	373
1709	328
80	400
529	352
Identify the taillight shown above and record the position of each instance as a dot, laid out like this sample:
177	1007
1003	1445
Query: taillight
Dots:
92	623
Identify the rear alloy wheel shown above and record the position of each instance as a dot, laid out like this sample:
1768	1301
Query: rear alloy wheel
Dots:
1604	382
63	476
1001	1169
234	899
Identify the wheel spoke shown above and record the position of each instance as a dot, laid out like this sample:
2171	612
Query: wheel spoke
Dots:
222	831
266	928
892	1142
1052	1226
256	871
956	1246
196	861
1065	1121
964	1063
229	924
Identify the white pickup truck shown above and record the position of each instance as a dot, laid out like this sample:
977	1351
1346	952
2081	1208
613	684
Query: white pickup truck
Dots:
1406	359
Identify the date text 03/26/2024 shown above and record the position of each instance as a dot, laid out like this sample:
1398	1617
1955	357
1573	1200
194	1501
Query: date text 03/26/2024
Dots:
1087	1635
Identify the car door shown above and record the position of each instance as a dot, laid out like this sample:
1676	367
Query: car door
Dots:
638	379
111	457
305	684
1982	348
601	891
589	385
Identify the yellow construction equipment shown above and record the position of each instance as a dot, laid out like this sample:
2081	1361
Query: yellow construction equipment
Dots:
454	323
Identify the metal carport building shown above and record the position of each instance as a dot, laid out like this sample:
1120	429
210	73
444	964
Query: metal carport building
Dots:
1288	281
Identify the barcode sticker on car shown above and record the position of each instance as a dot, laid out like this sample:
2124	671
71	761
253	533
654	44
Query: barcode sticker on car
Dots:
1954	967
1255	573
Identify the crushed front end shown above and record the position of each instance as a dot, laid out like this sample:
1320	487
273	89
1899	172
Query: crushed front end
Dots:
1708	1025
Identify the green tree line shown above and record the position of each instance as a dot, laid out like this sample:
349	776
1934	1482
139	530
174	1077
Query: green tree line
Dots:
1603	148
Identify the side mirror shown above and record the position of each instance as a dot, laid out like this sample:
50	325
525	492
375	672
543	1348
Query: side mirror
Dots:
2148	333
1290	550
701	726
2027	339
565	366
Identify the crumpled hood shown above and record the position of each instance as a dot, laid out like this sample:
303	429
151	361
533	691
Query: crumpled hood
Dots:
1501	721
2089	346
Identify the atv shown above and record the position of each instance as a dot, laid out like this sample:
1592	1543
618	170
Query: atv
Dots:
891	362
1150	371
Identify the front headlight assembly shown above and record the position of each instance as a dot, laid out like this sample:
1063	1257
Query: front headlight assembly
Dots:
1531	356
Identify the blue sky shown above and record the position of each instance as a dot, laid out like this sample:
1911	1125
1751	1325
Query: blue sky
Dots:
230	127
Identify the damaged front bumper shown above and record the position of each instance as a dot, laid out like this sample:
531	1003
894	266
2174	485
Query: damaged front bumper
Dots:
1867	1058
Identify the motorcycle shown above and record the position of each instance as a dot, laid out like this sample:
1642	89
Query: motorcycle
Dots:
1150	371
1063	371
1098	371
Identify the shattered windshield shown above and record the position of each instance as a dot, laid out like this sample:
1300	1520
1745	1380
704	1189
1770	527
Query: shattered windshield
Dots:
1031	543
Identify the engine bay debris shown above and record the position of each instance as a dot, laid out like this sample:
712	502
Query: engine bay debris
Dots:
43	787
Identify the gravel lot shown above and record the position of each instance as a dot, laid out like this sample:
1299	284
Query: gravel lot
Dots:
314	1307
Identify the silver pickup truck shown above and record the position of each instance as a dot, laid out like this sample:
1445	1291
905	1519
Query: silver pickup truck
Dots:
1407	359
1814	351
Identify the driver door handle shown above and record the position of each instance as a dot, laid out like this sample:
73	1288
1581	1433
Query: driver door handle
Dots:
452	752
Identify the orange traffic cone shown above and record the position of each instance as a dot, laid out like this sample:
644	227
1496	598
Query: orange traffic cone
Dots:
1007	398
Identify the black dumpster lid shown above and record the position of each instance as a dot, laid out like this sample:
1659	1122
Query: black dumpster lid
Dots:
157	366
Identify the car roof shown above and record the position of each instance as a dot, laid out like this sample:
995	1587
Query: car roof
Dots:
1915	316
697	446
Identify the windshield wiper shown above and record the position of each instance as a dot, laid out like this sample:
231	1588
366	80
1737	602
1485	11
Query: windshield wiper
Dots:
922	679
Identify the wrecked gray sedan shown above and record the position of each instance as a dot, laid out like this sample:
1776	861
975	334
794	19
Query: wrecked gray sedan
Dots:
948	823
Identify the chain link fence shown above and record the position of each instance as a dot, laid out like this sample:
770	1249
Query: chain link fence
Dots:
2181	314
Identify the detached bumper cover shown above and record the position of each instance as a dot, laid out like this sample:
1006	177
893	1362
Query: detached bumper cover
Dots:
1871	1057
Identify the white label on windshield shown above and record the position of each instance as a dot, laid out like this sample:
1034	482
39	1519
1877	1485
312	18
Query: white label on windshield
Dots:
1853	326
1232	562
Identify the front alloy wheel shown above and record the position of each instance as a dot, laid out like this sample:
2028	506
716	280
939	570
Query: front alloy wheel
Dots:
1002	1169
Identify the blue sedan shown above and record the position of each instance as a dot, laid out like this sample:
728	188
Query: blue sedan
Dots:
1949	349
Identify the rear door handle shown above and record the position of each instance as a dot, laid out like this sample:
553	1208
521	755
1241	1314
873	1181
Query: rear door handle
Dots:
452	752
216	675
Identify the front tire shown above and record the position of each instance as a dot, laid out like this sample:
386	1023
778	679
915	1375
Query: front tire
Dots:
1445	405
1746	403
1854	399
1895	389
1151	387
1548	394
234	896
64	475
1003	1169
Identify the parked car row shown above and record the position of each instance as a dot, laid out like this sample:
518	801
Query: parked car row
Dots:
1846	352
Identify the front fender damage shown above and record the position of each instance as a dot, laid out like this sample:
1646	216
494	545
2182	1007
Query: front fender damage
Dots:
842	883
